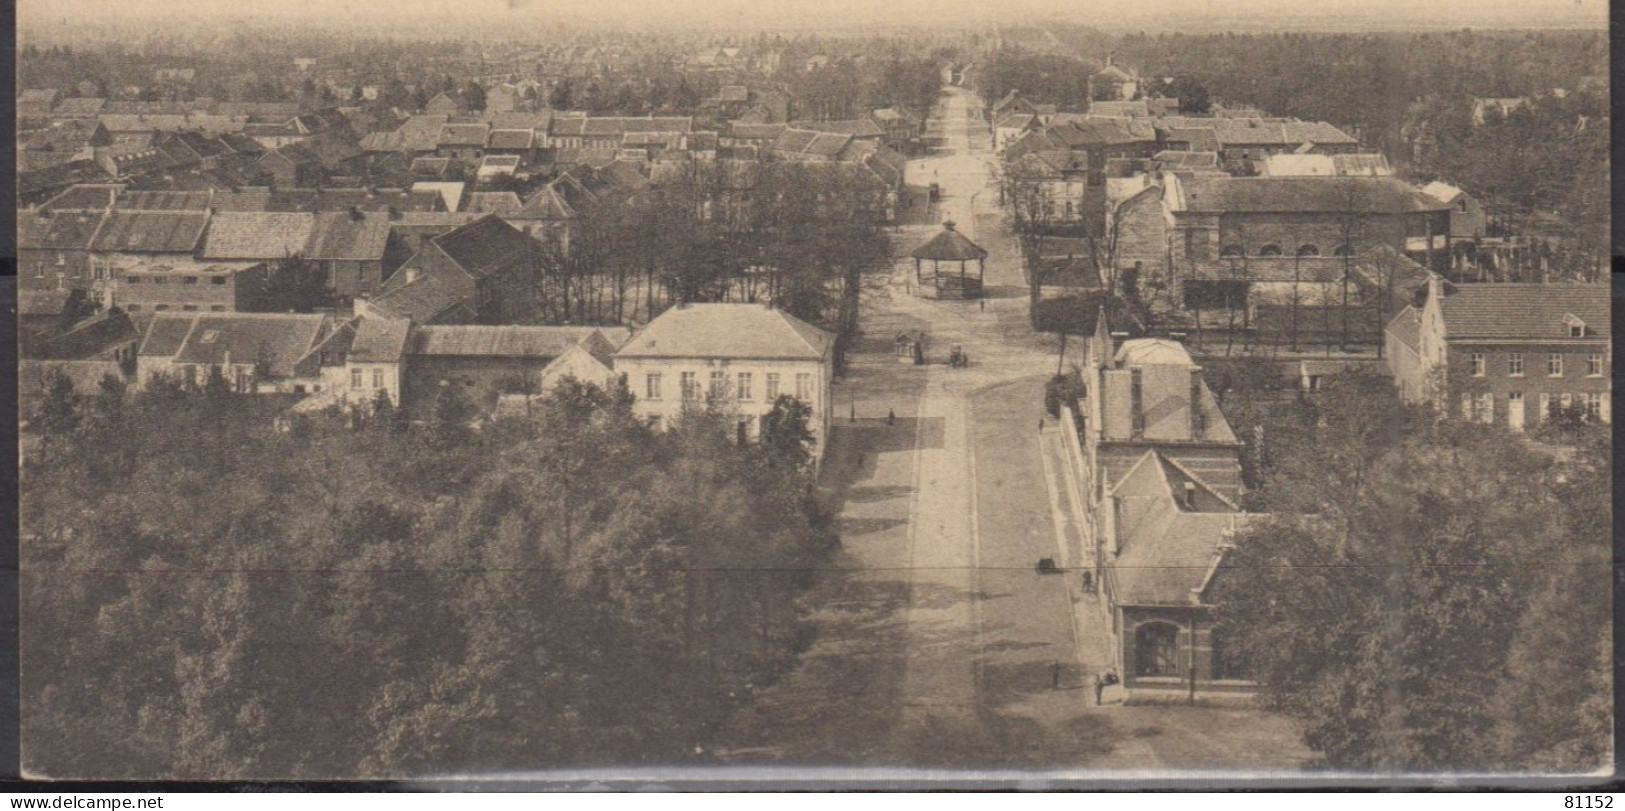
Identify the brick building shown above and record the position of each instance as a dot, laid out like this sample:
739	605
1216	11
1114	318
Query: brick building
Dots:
1506	353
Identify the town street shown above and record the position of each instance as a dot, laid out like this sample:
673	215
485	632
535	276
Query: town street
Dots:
938	644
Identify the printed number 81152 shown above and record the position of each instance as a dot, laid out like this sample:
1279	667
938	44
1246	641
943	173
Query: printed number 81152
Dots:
1588	801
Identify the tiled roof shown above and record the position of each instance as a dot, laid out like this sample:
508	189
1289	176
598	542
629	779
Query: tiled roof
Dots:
422	300
152	231
728	331
1165	551
164	200
84	197
949	246
857	127
462	135
380	340
496	341
1407	328
259	234
341	235
280	339
1321	195
165	334
79	106
511	139
756	132
501	203
1534	311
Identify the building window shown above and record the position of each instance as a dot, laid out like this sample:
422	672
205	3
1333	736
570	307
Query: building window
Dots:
1342	250
217	308
132	308
1270	250
1554	364
1515	364
188	280
161	307
772	386
1484	408
651	386
1308	250
1230	250
1577	329
804	388
1594	365
1475	361
690	385
191	308
719	384
131	279
220	280
1156	649
355	379
378	378
744	392
1594	406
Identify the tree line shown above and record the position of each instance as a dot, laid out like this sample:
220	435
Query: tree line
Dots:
800	236
205	597
1428	595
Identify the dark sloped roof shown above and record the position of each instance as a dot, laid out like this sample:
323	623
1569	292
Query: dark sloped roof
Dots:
511	139
485	247
949	246
152	231
1511	311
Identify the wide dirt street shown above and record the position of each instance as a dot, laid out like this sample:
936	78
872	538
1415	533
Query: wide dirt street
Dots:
936	639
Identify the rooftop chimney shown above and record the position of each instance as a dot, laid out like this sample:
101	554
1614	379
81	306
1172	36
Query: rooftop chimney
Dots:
411	275
1190	496
1136	395
1198	416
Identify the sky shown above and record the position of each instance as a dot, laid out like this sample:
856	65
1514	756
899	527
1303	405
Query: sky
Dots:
745	14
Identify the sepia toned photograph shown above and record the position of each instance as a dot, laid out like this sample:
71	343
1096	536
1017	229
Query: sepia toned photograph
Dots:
845	393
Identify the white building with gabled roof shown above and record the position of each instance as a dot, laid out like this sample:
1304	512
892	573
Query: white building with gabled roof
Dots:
742	355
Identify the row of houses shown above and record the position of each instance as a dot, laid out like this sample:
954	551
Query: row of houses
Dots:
1159	471
739	357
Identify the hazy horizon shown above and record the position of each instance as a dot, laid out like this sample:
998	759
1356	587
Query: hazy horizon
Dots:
1149	15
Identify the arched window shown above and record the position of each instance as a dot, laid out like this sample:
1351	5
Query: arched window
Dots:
1156	649
1230	250
1342	250
1308	250
1271	249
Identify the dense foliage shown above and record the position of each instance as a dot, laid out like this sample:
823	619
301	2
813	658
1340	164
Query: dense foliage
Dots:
205	597
1429	596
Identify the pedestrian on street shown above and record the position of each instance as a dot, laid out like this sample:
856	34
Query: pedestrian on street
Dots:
1040	425
1100	689
891	417
1055	675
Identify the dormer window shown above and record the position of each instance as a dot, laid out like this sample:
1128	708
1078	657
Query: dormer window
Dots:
209	336
1577	328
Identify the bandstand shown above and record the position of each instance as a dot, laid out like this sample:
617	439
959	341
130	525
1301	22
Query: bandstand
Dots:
949	247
